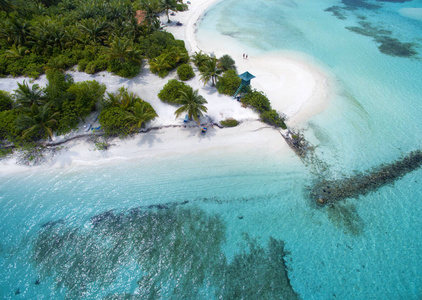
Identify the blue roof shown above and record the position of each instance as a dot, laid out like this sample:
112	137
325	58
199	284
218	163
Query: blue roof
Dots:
246	76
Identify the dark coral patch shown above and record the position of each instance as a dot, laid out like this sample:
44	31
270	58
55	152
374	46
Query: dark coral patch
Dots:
360	4
394	47
337	12
388	45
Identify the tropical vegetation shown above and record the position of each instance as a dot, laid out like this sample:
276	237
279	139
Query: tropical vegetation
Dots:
124	113
185	72
191	103
228	83
36	36
171	91
229	123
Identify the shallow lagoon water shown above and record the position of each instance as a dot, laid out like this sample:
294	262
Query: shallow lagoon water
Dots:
136	227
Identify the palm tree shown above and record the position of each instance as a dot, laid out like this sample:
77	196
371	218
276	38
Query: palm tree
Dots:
122	98
139	114
211	71
192	103
122	49
54	64
178	55
159	64
226	62
16	52
199	59
127	99
26	96
95	29
168	5
39	122
20	30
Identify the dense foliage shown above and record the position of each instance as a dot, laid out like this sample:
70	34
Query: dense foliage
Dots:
5	101
172	90
36	113
125	113
169	59
228	83
185	72
257	100
95	35
273	118
260	102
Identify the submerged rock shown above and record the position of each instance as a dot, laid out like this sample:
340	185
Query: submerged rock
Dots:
331	191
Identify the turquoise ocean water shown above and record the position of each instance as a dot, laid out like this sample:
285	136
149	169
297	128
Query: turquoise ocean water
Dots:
242	225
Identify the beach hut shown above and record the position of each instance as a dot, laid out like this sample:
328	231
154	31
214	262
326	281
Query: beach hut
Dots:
140	16
246	80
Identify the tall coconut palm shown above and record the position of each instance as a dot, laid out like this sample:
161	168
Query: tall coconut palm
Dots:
39	122
210	71
168	5
26	96
139	114
192	103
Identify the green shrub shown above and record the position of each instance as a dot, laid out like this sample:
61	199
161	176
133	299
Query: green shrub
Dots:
56	89
181	6
81	100
171	91
100	64
185	72
154	44
229	123
228	83
8	128
82	64
127	69
68	118
86	95
113	121
257	100
6	101
273	118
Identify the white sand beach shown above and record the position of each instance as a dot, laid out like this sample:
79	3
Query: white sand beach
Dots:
294	87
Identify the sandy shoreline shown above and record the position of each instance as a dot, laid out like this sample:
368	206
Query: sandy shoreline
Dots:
294	88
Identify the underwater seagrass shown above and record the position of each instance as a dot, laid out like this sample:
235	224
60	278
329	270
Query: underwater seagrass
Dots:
178	249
